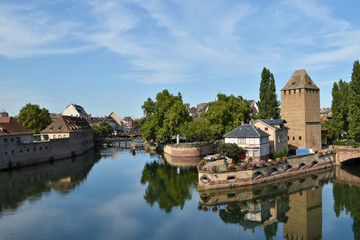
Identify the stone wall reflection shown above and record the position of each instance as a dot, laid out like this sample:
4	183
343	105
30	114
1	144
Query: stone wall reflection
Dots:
296	203
32	182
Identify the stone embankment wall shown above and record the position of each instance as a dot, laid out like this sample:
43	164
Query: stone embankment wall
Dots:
182	150
21	154
295	165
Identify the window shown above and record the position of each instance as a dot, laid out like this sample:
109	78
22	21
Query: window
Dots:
278	139
54	136
299	90
293	138
5	139
294	91
252	140
250	152
299	137
266	129
59	136
242	140
256	153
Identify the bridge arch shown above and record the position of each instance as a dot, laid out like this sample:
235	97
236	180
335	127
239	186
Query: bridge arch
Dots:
302	165
274	171
314	163
287	168
257	175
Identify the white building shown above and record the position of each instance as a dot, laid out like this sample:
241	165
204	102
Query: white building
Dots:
74	110
252	139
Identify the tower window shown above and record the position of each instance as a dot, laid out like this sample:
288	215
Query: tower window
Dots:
294	138
294	91
299	137
299	90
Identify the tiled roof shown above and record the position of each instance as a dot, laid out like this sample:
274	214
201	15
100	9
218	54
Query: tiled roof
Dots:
10	126
273	123
299	80
65	124
246	130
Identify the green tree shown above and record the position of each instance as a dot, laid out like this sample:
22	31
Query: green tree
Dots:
268	104
34	118
137	124
164	116
102	130
197	130
344	89
226	113
354	103
232	151
106	129
336	123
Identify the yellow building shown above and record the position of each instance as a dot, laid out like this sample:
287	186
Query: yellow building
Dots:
300	107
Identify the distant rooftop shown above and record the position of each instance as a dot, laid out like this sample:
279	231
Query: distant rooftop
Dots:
246	130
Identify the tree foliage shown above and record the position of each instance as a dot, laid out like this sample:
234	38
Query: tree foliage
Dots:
102	130
226	113
268	104
197	130
354	103
34	118
231	150
164	116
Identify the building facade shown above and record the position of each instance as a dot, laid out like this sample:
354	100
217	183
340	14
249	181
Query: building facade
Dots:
75	110
300	107
252	139
66	137
278	139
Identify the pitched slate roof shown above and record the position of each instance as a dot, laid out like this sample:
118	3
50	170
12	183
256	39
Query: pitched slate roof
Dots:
246	130
10	126
299	80
65	124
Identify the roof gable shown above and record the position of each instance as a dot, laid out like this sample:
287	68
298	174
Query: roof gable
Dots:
65	124
10	126
246	131
299	80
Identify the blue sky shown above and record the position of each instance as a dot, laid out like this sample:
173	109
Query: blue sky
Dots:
110	56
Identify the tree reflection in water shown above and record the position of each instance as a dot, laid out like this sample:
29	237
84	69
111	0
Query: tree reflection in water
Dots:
167	185
347	198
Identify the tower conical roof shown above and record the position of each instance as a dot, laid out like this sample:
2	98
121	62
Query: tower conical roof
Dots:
300	79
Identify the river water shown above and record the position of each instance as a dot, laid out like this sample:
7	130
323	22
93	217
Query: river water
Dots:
112	194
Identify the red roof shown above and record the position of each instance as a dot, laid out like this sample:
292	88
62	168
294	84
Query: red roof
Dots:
10	126
66	124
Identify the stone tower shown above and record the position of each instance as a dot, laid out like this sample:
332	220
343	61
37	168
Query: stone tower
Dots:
300	107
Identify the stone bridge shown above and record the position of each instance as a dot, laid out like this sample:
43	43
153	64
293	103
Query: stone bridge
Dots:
346	154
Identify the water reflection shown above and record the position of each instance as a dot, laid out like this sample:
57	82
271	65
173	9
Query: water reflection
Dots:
167	185
34	181
296	203
346	192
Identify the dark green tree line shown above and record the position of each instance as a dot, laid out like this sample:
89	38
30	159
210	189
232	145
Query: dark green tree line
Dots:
268	104
164	116
354	103
226	113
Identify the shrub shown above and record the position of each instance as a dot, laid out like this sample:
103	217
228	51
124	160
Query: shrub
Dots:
232	151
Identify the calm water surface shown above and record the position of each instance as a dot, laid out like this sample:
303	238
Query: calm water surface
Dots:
115	195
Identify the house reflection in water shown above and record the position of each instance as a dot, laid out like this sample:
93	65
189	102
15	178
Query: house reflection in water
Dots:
32	182
297	204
